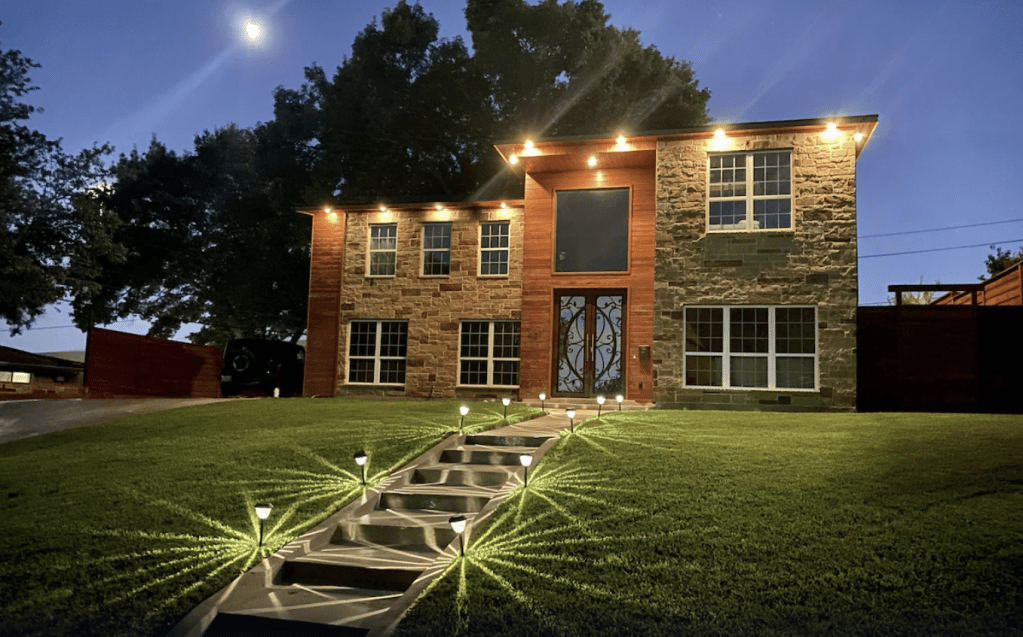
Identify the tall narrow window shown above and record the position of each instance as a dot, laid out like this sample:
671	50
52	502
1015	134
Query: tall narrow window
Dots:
752	347
383	247
494	243
489	353
750	191
436	249
376	352
592	230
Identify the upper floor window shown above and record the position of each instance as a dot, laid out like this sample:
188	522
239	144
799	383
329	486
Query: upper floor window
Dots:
592	230
383	246
750	191
436	249
494	243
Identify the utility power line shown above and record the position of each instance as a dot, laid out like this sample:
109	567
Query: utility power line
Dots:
975	245
972	225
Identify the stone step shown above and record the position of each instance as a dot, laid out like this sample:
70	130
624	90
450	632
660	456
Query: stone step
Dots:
494	440
459	477
397	528
479	455
435	499
360	565
311	611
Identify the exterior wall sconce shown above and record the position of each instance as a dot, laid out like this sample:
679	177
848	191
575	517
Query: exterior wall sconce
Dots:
571	419
457	523
619	398
543	397
464	409
525	460
506	402
262	512
360	459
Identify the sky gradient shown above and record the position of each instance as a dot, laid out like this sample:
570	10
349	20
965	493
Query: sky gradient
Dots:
945	79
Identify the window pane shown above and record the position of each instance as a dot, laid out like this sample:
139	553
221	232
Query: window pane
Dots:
506	339
506	372
437	236
383	237
381	264
436	263
748	371
704	371
363	339
393	338
704	329
592	230
749	331
728	213
475	339
360	370
392	372
473	373
794	331
795	372
772	213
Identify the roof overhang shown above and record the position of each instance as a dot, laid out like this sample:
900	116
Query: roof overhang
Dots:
431	206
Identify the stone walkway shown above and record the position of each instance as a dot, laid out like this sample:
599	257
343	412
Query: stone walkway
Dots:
359	571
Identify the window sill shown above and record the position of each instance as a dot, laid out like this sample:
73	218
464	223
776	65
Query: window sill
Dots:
745	231
486	386
753	389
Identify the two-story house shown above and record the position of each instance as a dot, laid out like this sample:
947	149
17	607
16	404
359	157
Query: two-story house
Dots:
709	267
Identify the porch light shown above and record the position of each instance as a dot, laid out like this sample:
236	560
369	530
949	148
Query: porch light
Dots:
514	159
858	137
383	208
619	398
464	409
360	459
600	405
720	140
457	523
525	460
543	397
622	142
592	161
529	146
328	209
506	402
571	418
503	205
262	512
438	207
831	132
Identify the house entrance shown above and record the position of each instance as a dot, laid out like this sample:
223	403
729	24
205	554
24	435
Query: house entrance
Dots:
590	342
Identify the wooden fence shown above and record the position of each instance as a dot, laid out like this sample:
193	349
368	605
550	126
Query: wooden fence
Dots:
119	364
940	358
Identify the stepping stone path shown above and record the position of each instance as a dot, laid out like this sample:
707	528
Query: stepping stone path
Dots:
361	569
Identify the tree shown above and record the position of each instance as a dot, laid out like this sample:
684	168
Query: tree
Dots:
1000	261
48	235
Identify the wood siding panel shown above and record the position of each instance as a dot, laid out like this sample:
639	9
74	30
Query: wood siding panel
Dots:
325	274
539	281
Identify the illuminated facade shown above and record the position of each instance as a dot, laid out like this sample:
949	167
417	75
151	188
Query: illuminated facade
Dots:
712	267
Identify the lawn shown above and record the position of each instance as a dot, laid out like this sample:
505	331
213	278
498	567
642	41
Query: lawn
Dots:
121	528
673	523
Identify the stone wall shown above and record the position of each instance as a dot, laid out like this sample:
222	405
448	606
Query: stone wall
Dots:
433	305
812	264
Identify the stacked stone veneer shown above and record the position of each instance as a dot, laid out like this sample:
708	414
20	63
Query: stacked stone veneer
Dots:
813	264
432	305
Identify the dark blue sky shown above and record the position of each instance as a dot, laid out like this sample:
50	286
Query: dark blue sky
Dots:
946	80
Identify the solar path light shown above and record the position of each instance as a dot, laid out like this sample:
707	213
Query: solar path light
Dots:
600	405
457	523
543	397
360	459
464	409
525	459
619	398
262	512
506	402
571	418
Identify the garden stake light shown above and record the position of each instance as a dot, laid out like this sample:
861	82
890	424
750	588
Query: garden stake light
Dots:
457	523
571	418
526	460
506	402
360	459
619	398
600	405
542	398
262	512
464	409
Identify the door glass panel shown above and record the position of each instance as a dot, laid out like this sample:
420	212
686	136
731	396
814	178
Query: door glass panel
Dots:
607	348
571	344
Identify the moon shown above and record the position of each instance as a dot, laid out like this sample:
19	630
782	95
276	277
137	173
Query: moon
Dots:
253	30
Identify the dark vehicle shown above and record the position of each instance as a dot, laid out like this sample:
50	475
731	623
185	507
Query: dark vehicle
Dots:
256	367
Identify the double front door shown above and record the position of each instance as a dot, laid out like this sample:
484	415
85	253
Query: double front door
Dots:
590	342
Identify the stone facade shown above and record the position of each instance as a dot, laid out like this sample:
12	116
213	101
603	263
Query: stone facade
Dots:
813	264
433	305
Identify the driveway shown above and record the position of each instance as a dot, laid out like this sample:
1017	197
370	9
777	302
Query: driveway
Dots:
27	418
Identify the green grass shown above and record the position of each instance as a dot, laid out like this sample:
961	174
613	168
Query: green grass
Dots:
672	523
121	528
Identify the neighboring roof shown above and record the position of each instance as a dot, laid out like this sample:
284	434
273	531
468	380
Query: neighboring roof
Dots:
27	361
75	356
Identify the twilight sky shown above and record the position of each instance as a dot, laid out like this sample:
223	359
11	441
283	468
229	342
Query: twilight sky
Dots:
945	78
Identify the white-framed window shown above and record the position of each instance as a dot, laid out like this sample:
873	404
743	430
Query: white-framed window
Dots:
488	353
750	191
495	240
377	352
436	249
15	377
383	249
751	347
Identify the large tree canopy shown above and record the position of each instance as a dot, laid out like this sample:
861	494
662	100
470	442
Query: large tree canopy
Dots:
212	235
52	233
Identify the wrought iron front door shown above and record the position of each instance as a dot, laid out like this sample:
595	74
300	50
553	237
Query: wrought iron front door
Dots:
590	333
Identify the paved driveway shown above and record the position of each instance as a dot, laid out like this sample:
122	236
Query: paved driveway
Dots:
26	418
